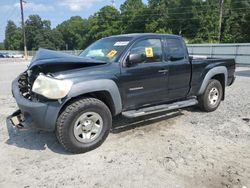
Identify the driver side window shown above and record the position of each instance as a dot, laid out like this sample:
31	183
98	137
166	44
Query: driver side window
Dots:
149	49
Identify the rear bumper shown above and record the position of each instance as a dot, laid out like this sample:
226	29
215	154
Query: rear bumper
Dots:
32	114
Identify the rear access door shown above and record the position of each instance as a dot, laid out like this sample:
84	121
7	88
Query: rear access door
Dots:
180	69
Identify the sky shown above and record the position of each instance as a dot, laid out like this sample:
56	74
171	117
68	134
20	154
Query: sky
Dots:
54	10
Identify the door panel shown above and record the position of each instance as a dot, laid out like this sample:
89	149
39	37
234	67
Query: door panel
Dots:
145	83
179	78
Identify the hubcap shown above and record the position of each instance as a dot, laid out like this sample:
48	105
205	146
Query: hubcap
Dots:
88	127
213	96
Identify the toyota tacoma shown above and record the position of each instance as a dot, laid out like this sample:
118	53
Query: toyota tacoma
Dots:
132	75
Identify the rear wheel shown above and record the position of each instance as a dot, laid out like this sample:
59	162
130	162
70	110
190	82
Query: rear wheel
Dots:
83	125
211	98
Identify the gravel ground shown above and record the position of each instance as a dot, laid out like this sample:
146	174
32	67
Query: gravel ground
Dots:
186	148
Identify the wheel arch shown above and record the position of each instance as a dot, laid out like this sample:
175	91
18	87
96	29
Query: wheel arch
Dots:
219	73
104	90
221	79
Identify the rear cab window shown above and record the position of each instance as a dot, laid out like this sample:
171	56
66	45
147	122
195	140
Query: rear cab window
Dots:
175	49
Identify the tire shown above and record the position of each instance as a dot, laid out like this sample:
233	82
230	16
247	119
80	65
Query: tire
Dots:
83	125
211	98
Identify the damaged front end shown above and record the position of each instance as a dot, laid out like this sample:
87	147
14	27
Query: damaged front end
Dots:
25	85
47	63
22	92
39	93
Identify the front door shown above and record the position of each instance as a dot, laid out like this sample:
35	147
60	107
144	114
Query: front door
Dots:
145	82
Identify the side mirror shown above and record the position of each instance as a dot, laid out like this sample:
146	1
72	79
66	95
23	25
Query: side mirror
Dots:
135	58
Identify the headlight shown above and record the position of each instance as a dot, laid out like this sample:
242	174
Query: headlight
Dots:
51	88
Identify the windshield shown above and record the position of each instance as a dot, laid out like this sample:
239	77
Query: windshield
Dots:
107	49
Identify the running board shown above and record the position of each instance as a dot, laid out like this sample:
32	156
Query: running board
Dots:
159	108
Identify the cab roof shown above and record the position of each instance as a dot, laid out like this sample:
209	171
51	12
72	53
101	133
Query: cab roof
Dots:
137	35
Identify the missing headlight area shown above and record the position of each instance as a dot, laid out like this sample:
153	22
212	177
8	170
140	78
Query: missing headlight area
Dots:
25	82
24	85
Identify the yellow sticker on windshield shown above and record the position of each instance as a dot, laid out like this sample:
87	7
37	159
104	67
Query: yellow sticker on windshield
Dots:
111	54
149	52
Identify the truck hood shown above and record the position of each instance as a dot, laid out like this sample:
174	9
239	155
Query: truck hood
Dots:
50	57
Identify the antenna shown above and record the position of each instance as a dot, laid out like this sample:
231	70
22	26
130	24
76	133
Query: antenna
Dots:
113	3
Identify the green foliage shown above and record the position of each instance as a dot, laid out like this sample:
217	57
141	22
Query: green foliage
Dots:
1	46
246	28
133	16
40	35
74	32
182	18
207	14
13	36
104	23
196	20
236	23
157	17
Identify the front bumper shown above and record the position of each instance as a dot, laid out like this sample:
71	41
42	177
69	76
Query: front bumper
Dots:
32	114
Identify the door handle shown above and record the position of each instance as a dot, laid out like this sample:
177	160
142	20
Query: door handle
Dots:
164	71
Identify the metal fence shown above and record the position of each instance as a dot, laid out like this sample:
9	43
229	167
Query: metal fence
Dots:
240	52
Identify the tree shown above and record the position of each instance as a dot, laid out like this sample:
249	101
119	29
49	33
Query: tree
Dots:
13	37
133	16
182	18
196	20
1	46
33	27
40	35
157	16
207	15
57	39
104	23
74	32
246	28
236	21
50	39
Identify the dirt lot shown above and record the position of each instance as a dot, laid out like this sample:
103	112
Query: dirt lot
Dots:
186	148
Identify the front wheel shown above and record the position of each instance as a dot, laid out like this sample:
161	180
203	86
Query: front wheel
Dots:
211	98
83	125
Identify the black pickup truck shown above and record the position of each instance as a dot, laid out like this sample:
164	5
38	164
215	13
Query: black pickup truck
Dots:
132	75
